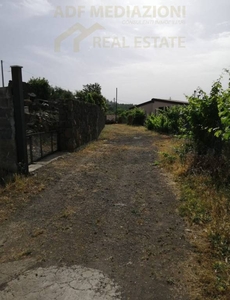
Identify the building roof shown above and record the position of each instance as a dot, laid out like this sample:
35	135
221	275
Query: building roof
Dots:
162	100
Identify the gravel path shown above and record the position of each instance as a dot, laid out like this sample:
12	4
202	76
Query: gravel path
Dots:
107	208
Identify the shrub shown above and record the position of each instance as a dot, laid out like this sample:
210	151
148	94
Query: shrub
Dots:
205	120
135	116
171	121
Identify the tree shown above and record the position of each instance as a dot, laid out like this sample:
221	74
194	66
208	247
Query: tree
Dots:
59	93
92	88
91	93
40	87
121	107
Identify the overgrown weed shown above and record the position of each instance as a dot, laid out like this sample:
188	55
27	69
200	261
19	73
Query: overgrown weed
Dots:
205	204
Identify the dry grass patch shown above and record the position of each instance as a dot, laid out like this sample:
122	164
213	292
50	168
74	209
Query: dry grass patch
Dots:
111	132
206	207
18	192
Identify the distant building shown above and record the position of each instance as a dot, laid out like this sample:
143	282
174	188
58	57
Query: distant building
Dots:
110	119
154	105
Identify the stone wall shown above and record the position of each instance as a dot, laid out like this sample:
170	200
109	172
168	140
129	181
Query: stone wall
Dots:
80	123
8	153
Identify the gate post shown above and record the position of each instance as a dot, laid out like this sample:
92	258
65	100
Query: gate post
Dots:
19	115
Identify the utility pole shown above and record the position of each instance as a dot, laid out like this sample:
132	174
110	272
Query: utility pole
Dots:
114	109
2	73
116	105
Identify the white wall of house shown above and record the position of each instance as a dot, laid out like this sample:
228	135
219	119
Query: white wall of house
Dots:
152	107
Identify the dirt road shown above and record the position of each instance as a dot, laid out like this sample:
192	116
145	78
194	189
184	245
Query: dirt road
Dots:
107	209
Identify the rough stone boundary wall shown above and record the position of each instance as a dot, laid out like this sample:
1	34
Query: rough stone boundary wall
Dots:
8	151
80	123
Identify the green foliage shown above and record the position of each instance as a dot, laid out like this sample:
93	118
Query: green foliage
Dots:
91	93
135	116
224	111
81	96
43	90
89	98
59	93
220	242
92	88
171	121
121	107
169	158
99	100
204	177
40	87
192	206
205	120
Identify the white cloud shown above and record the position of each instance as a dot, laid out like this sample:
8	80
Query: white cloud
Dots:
168	30
198	29
225	23
140	74
37	7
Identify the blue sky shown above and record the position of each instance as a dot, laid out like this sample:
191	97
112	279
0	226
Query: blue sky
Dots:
122	58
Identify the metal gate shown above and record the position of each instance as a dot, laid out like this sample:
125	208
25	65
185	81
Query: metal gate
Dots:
41	144
32	142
